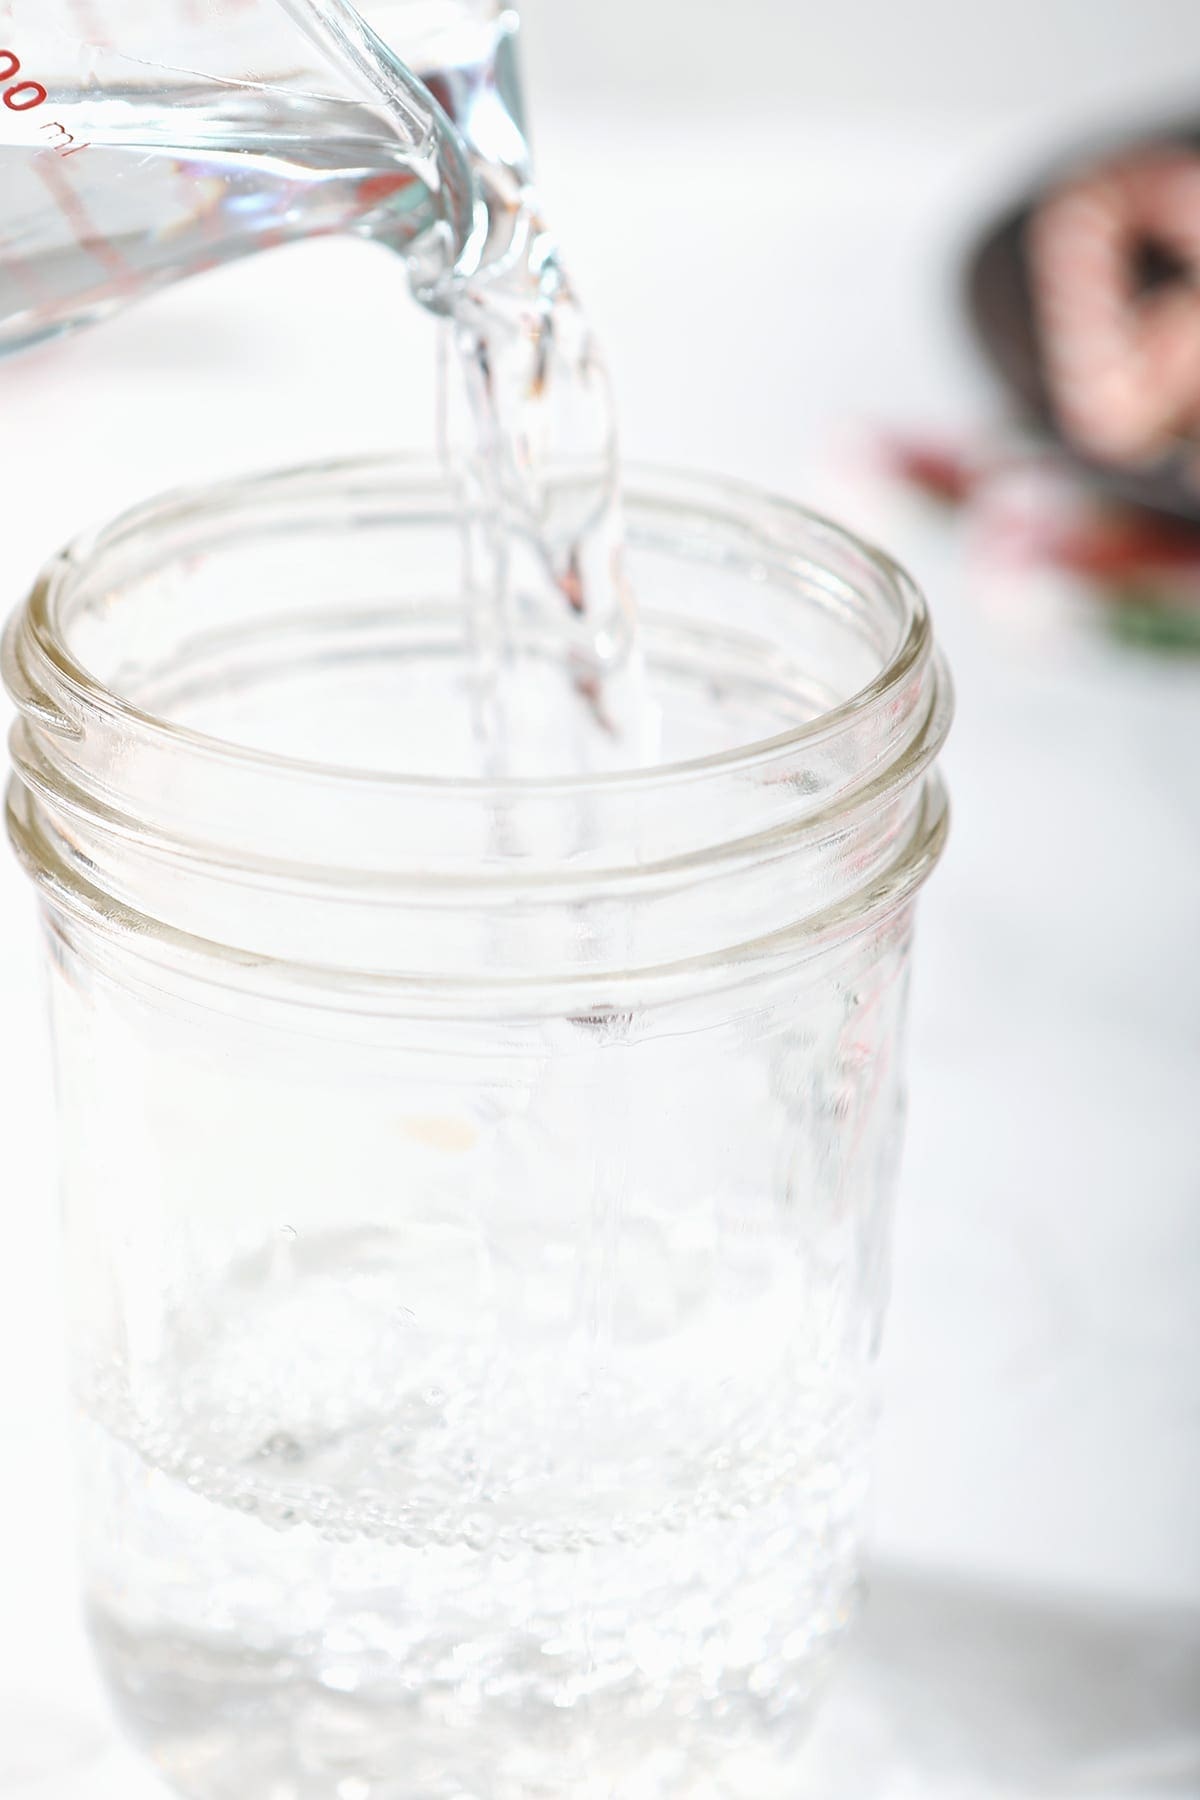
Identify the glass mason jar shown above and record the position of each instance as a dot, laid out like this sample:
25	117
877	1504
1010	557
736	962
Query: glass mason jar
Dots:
476	1189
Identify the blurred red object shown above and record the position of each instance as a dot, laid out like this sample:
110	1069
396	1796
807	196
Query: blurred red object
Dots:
1143	566
942	473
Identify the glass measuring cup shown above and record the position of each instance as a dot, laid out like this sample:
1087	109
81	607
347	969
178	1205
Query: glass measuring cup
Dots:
144	140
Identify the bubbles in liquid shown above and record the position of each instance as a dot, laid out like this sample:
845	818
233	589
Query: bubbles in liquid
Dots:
498	1551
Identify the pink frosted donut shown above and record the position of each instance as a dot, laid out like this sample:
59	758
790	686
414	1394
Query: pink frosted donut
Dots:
1123	368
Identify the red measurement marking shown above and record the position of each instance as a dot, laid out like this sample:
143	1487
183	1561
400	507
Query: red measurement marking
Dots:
377	188
75	213
62	137
21	95
24	95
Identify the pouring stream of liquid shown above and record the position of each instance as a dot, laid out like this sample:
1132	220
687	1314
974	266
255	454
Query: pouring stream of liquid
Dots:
539	464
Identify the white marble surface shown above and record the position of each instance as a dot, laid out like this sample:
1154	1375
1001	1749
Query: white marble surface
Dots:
1041	1455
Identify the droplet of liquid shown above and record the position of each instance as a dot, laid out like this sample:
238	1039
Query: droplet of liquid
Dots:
281	1446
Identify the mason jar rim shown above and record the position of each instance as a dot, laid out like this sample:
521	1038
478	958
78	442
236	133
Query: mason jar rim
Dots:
212	500
375	882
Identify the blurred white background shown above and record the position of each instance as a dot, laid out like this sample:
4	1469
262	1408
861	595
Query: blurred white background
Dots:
1059	55
1042	1439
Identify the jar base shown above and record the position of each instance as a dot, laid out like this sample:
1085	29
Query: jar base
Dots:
221	1724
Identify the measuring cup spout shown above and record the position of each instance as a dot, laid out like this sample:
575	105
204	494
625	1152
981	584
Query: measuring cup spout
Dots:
142	141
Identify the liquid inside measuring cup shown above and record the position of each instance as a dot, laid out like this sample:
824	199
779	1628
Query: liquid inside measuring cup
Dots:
136	178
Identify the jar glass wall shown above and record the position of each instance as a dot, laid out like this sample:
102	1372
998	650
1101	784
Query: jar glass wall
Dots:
476	1189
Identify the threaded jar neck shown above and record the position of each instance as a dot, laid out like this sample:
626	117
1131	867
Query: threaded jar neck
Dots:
152	661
